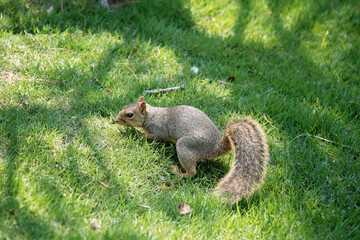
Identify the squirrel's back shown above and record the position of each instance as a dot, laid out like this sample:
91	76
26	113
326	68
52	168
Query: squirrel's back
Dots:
187	120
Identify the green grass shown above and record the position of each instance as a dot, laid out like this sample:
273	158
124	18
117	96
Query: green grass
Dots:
298	62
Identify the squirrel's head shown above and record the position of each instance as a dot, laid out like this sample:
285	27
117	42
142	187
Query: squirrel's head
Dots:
133	115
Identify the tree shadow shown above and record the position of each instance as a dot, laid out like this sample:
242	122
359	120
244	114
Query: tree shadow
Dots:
172	18
27	222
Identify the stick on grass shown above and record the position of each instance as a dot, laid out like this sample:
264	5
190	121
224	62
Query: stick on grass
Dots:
29	37
269	122
164	90
143	206
153	56
126	65
324	139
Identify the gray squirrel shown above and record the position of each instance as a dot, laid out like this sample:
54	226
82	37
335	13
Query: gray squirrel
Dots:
197	139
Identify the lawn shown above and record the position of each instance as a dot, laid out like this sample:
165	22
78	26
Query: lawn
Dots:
64	75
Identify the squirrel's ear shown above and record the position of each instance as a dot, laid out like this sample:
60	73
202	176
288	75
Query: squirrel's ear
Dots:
141	99
142	107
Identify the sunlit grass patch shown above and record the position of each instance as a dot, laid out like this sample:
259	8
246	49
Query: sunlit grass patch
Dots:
64	75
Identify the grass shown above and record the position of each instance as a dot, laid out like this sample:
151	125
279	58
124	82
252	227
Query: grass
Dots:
63	162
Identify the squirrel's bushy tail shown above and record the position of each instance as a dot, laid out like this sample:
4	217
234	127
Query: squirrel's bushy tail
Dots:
251	156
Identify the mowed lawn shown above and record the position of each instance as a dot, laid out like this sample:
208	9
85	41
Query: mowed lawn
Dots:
68	67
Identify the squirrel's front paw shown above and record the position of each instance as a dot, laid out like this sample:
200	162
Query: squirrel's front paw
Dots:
177	171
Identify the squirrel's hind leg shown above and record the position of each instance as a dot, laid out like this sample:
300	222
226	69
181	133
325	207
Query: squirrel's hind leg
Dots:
188	155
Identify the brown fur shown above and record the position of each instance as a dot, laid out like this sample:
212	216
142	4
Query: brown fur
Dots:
249	167
197	138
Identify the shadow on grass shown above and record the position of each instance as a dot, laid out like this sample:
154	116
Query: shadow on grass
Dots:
268	81
17	211
13	210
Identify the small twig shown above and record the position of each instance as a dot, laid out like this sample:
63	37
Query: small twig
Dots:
143	206
237	85
155	55
269	122
126	65
105	185
124	4
29	37
163	90
326	140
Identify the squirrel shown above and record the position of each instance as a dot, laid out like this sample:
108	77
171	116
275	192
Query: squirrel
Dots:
197	139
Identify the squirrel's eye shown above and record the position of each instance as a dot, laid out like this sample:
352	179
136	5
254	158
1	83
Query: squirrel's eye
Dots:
129	115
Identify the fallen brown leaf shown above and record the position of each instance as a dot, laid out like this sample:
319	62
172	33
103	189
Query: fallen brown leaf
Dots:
94	224
230	78
184	208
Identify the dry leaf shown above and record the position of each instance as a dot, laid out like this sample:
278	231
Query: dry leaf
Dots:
183	208
108	90
94	223
230	78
